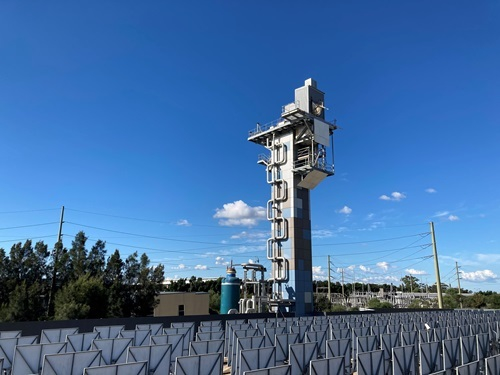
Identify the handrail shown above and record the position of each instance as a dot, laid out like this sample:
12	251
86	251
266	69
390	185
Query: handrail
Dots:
329	168
262	128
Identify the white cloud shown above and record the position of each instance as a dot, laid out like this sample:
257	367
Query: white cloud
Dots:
345	210
462	260
377	224
383	265
318	273
380	280
183	223
373	225
413	271
201	267
365	269
369	216
318	270
180	267
322	233
221	261
395	196
251	236
490	258
239	213
446	215
478	276
431	190
326	233
351	267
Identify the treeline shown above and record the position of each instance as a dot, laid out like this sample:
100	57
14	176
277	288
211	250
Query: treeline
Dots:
194	284
75	283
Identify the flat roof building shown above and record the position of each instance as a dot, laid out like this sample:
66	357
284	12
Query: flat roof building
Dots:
182	303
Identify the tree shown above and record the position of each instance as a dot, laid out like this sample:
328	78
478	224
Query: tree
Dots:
25	303
59	273
179	285
25	281
142	285
375	303
19	269
419	303
433	288
476	301
410	283
83	298
451	299
86	285
96	259
214	303
113	281
78	256
321	303
149	285
493	301
4	277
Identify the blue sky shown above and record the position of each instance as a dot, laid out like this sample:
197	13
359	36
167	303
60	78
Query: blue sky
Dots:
135	117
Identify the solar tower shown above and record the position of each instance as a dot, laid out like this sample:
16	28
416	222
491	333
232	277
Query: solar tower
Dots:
296	162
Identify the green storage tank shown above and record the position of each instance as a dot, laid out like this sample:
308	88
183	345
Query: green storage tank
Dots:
230	291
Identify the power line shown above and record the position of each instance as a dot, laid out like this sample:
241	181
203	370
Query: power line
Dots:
185	251
152	237
424	246
398	270
372	252
369	241
29	225
452	270
29	238
147	220
401	260
409	246
28	211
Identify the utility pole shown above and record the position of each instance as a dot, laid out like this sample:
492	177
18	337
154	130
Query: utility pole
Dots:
459	290
354	282
329	292
343	295
436	267
57	248
61	221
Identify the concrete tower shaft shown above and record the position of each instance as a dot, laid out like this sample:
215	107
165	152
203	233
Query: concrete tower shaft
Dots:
296	163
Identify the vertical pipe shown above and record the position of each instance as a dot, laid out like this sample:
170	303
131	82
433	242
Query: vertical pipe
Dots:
436	267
